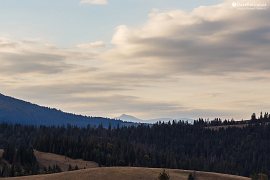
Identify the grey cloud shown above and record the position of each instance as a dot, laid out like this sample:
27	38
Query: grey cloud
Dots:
136	106
195	56
32	63
118	104
209	113
69	88
4	44
228	44
32	56
135	79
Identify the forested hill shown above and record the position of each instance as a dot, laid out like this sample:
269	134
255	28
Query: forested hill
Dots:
177	145
16	111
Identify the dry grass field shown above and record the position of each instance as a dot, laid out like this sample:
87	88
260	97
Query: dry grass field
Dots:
48	159
127	173
92	172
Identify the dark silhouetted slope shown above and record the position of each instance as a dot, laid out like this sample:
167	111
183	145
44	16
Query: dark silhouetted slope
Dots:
17	111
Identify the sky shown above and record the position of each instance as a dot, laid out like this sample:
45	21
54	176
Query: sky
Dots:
146	58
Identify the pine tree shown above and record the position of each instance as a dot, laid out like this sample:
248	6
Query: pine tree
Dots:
164	175
253	117
262	176
69	167
190	177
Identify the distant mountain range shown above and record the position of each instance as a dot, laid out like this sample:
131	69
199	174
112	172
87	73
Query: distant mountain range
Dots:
15	111
129	118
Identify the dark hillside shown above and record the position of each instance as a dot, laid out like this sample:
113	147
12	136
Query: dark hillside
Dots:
15	111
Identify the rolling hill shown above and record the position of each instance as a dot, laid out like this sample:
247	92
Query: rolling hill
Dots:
90	171
127	173
15	111
50	159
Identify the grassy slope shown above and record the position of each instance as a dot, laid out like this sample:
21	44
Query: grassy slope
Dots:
115	173
46	159
126	173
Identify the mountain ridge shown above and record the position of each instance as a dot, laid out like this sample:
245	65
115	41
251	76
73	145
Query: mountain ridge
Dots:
17	111
130	118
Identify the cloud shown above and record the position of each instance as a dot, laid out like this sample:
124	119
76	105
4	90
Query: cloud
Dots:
92	45
94	2
197	42
32	63
115	104
25	57
38	57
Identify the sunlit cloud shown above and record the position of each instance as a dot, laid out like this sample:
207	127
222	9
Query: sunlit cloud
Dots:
197	42
92	45
94	2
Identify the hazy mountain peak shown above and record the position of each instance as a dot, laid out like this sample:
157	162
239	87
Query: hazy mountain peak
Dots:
130	118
